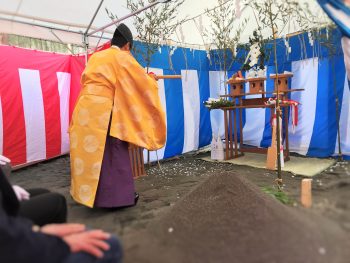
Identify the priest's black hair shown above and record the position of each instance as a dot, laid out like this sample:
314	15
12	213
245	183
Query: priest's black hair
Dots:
121	36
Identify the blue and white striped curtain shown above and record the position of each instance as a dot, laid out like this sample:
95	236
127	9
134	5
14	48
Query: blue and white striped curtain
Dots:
190	125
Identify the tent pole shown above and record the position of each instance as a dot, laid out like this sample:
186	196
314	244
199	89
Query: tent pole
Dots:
86	36
93	18
86	46
49	27
45	20
123	18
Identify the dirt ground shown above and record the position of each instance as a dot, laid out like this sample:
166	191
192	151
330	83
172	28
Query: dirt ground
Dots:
164	191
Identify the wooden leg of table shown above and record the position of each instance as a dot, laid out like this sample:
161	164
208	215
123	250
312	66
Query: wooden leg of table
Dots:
235	131
131	159
240	124
231	135
226	135
134	159
286	113
148	158
240	128
138	160
272	112
142	162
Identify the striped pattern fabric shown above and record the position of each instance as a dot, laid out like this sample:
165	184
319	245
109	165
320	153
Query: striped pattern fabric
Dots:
339	12
35	98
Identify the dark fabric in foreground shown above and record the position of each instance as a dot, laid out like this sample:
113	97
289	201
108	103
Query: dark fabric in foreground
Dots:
44	207
18	243
9	202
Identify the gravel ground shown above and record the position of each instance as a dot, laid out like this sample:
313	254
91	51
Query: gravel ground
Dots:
164	191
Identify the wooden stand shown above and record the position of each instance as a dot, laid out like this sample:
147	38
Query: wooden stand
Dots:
231	130
231	141
282	81
256	88
137	162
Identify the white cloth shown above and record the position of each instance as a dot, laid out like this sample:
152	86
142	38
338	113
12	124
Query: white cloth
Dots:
4	160
20	193
346	50
217	149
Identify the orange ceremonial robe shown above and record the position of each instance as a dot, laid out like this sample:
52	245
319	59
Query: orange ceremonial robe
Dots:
116	91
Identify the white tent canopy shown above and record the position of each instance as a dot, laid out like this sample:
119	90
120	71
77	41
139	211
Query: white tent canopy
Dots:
20	17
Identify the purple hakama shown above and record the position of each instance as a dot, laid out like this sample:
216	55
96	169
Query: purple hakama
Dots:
116	184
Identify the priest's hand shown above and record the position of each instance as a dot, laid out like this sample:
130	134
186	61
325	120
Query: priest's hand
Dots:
152	75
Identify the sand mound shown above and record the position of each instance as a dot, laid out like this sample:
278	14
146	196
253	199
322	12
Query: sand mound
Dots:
227	219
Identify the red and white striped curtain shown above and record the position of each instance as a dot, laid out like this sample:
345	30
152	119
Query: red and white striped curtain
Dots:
37	95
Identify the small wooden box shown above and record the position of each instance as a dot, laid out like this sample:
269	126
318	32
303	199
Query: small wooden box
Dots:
256	85
236	86
282	81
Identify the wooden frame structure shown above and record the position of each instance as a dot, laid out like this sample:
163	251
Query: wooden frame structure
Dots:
257	87
231	130
137	161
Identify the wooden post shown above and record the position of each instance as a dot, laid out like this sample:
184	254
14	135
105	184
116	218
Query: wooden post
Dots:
131	156
230	131
306	196
240	123
272	151
226	136
142	162
138	161
135	162
235	131
286	135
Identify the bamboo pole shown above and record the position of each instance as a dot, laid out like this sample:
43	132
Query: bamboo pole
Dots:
169	77
278	110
